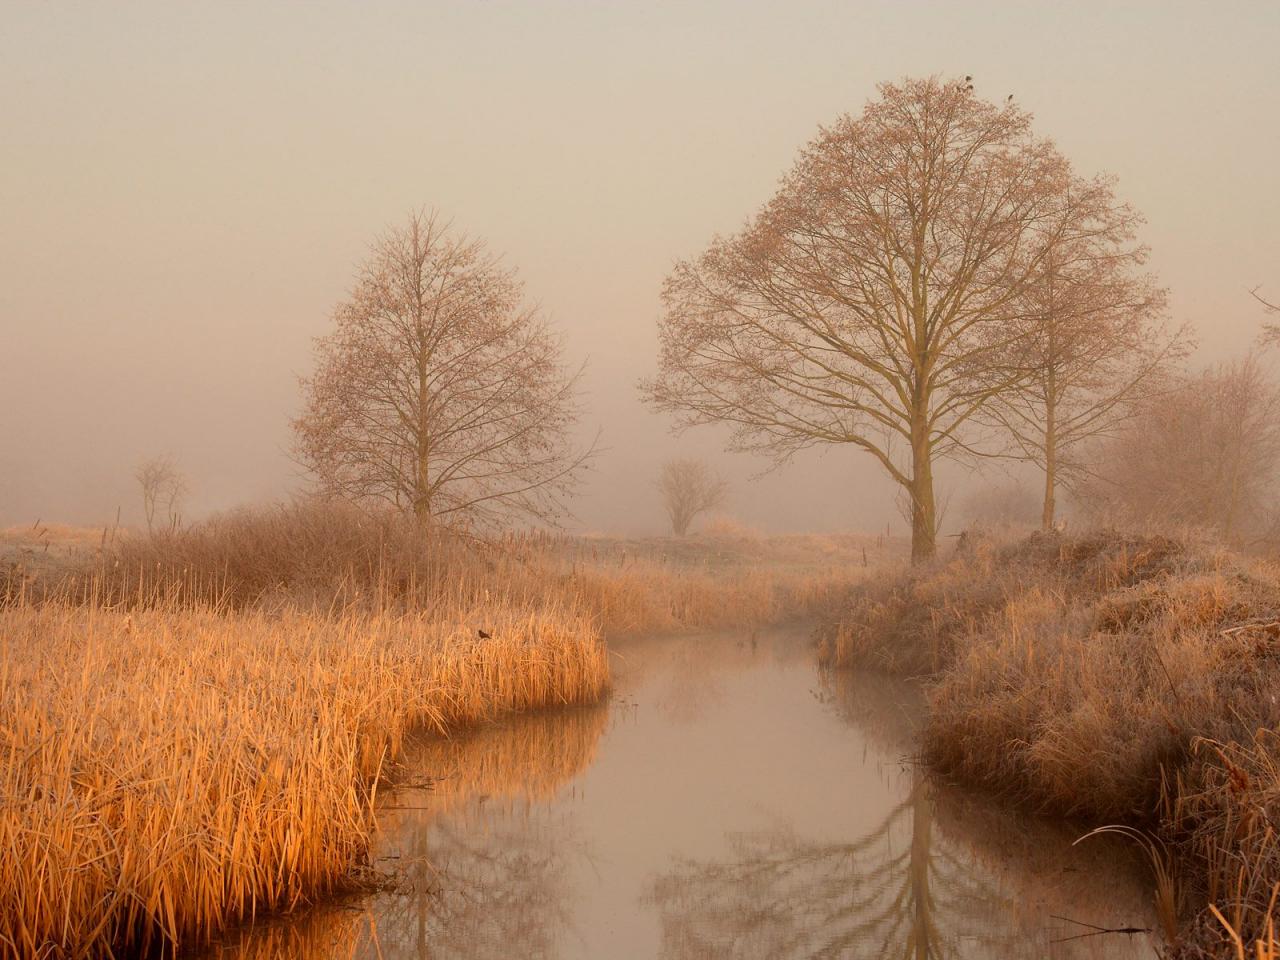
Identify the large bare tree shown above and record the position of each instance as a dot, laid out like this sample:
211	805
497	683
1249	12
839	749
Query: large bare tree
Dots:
1097	342
689	488
439	390
873	299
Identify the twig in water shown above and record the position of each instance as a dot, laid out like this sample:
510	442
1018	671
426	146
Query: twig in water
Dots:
1095	929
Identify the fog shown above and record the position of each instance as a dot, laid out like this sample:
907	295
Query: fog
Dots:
187	190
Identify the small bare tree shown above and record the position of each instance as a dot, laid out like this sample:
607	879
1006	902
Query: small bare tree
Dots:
1206	454
439	391
1270	331
1097	343
163	490
872	301
688	489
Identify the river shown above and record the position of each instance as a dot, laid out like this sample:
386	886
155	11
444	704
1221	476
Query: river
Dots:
728	801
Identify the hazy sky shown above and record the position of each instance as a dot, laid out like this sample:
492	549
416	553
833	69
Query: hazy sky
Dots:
186	190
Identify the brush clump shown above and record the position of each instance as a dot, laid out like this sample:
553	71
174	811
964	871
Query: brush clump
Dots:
1113	678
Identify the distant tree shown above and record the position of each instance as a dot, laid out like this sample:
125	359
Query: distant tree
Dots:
1002	505
1097	342
163	490
1270	331
439	391
1206	454
688	489
872	301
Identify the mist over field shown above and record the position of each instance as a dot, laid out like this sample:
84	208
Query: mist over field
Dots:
187	192
577	479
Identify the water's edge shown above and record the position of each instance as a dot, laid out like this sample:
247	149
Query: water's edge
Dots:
729	800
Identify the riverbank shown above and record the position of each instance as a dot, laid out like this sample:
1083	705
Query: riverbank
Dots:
171	772
1112	679
731	800
197	724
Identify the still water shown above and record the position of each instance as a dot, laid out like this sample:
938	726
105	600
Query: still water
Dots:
729	801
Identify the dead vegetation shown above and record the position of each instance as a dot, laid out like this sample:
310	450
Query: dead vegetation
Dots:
170	771
1110	678
197	722
324	556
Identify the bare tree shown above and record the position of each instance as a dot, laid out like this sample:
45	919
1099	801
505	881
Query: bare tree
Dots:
163	490
688	489
903	890
872	301
1206	454
1270	331
1097	343
439	391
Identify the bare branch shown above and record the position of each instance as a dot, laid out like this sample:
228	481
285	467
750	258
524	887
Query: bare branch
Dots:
875	299
440	392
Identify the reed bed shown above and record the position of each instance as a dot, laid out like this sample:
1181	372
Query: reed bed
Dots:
168	772
1115	679
651	598
194	725
327	557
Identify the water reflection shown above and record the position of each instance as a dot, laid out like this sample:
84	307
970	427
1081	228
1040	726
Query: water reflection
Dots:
929	880
730	802
476	859
892	892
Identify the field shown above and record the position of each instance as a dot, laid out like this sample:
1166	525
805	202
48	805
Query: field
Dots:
197	725
1118	680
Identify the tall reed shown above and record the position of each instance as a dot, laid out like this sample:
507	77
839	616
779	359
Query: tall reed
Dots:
168	772
193	726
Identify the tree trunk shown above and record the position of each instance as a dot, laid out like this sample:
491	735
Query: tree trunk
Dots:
1050	468
1050	503
922	922
923	513
1050	413
422	477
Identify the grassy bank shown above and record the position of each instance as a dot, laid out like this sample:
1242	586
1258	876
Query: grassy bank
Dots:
326	557
1114	679
196	724
167	772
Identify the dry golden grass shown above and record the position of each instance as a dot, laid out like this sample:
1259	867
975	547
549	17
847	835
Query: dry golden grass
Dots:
167	772
1085	676
195	724
325	557
649	597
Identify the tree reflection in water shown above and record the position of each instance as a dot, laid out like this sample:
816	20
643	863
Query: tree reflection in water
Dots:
482	891
889	893
485	848
940	876
465	883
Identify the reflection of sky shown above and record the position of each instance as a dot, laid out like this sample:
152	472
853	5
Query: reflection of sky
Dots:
772	813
